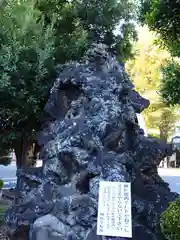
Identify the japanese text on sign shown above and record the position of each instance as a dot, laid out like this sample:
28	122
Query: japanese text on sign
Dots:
114	209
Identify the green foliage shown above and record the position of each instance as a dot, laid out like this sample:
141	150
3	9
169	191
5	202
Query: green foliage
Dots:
5	160
100	18
26	58
82	22
70	37
161	117
1	183
163	17
170	82
169	221
145	71
3	209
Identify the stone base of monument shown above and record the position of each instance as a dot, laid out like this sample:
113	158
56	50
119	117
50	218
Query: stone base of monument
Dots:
91	134
49	227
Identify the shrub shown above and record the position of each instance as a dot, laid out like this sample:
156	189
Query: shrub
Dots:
1	183
170	221
3	210
5	160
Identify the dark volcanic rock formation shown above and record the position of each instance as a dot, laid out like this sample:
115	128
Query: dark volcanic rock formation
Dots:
93	134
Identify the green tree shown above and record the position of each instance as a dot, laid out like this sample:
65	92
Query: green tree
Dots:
161	118
35	36
107	21
163	17
5	158
170	82
26	57
145	71
100	18
70	36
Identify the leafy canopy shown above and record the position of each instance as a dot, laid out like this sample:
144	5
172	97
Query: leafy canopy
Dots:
163	17
26	57
100	18
170	82
107	21
145	72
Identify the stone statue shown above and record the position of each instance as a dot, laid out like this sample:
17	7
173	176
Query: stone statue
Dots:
91	133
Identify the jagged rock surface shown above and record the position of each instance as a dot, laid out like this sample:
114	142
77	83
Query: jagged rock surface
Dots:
92	134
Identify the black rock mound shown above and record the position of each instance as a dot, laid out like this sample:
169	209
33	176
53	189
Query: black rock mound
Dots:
92	134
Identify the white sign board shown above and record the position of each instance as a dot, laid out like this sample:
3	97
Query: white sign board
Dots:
114	209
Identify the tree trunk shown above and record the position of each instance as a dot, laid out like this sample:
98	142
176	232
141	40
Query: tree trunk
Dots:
163	135
26	152
18	153
21	149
